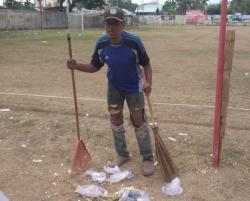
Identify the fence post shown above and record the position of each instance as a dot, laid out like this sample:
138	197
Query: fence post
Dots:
41	15
219	85
82	20
229	52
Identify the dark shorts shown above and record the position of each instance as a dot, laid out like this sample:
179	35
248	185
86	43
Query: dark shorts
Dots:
116	98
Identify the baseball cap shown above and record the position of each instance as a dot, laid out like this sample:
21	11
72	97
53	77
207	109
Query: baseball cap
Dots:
114	13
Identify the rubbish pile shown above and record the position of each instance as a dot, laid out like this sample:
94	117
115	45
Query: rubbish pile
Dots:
115	175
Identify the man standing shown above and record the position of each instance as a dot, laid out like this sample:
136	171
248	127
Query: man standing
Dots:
123	53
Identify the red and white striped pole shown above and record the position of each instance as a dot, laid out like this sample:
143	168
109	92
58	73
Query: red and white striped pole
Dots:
219	86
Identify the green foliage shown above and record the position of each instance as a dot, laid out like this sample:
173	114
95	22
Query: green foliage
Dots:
170	6
181	6
240	6
93	4
12	4
213	9
184	5
127	4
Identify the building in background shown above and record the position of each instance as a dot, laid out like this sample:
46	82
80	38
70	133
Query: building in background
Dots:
149	9
196	16
2	3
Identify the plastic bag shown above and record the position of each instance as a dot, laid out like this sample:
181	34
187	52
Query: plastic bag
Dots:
112	170
134	195
173	188
96	176
117	177
2	197
91	191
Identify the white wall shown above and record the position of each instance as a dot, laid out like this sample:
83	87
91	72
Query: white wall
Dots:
19	19
1	2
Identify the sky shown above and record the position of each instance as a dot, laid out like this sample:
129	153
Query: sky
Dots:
162	1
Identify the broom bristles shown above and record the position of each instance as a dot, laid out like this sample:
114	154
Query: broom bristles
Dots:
164	159
81	158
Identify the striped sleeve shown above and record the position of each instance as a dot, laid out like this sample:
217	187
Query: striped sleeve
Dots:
135	43
96	57
142	54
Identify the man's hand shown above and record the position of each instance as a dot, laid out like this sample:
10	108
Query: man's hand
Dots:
72	64
147	89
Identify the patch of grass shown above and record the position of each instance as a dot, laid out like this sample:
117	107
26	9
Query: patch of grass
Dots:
51	36
90	35
233	153
160	28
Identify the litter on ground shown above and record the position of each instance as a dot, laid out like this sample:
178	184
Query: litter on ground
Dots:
183	134
132	194
3	197
4	110
96	176
173	188
111	170
114	175
117	177
37	160
172	139
91	191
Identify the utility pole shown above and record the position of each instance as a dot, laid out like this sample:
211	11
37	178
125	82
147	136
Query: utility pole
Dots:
41	14
67	12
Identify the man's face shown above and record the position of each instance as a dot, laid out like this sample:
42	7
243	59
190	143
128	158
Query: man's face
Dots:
114	28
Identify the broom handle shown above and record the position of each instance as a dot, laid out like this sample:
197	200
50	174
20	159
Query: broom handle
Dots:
151	109
149	101
74	89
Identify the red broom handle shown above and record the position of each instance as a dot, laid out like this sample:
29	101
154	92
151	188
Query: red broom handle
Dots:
74	89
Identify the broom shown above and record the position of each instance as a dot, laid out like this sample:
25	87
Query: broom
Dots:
81	156
167	165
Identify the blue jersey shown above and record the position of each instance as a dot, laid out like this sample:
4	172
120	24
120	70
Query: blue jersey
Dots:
123	61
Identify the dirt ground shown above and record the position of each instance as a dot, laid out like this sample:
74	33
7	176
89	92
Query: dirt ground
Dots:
35	85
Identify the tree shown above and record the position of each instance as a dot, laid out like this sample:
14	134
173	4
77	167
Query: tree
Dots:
170	6
93	4
184	5
181	6
13	4
240	6
213	9
88	4
127	4
9	3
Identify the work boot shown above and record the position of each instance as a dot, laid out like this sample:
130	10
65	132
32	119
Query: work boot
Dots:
148	167
119	161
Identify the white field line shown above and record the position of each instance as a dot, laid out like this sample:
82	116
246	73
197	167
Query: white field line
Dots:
100	99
